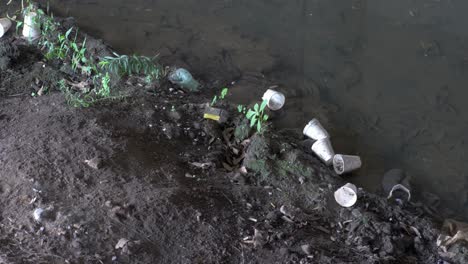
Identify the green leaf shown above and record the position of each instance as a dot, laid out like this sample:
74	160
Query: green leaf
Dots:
68	32
224	92
253	121
265	117
256	107
259	126
215	98
264	103
240	108
250	114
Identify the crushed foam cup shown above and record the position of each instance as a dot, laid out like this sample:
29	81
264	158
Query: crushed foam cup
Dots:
346	196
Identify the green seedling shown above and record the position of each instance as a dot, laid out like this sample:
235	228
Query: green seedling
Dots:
222	95
104	90
124	65
224	92
241	109
19	25
257	115
79	56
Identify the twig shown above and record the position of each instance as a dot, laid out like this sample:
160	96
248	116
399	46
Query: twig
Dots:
15	95
227	198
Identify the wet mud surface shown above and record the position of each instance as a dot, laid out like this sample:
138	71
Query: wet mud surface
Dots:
146	179
388	74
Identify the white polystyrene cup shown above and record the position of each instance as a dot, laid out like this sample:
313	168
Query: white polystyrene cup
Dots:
346	163
31	28
399	187
346	195
324	150
275	100
315	130
5	25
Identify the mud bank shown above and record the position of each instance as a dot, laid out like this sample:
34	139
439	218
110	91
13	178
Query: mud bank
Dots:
145	179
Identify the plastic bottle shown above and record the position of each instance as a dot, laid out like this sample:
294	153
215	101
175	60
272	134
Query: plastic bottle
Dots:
184	79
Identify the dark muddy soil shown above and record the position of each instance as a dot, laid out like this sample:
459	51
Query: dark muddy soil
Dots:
146	179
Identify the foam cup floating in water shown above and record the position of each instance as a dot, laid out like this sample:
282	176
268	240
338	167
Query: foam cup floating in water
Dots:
5	25
346	195
215	114
324	150
346	163
184	79
315	130
275	100
31	27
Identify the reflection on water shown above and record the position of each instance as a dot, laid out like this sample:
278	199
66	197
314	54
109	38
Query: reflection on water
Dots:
389	78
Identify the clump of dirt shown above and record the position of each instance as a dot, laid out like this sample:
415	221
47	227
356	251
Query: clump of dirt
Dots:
8	52
146	179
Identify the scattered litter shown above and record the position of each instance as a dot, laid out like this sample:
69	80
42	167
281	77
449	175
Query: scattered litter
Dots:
203	166
394	177
346	163
285	210
121	243
253	219
315	130
33	200
94	163
198	215
243	170
346	196
31	26
258	239
42	91
307	249
399	192
5	25
216	114
452	232
275	100
124	245
37	214
184	79
188	175
302	179
416	231
324	150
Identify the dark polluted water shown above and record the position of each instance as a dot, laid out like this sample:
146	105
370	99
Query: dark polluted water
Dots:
388	78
